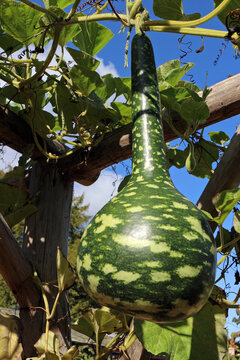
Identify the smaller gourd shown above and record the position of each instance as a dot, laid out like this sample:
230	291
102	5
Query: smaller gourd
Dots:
149	252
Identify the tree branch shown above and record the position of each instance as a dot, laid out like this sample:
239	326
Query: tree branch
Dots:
16	270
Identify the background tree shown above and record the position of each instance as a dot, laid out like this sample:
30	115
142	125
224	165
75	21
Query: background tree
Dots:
82	136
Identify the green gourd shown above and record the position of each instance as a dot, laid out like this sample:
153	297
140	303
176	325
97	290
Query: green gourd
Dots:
149	252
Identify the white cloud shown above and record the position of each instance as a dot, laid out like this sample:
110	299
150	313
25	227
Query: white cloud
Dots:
8	157
100	192
108	68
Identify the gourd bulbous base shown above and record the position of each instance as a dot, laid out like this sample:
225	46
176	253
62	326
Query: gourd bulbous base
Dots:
149	253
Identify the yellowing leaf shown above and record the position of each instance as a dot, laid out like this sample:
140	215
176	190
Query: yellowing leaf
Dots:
53	344
65	273
10	348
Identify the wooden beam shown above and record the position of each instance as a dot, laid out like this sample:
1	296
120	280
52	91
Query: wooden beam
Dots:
16	270
223	102
85	165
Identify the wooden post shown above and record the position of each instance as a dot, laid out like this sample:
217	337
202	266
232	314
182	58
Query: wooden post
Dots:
44	231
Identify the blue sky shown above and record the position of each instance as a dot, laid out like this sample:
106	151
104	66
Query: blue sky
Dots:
166	48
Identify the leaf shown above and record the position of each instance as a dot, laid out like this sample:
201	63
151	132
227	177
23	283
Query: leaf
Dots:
172	341
67	33
98	322
193	112
8	43
19	21
84	79
92	38
176	158
236	221
124	111
65	274
60	3
219	137
53	344
172	71
21	213
114	85
72	353
180	341
172	10
209	326
207	214
83	59
234	4
225	202
10	347
205	153
123	182
227	237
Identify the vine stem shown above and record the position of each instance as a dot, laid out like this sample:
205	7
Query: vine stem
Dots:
188	31
73	10
224	256
202	20
40	8
49	58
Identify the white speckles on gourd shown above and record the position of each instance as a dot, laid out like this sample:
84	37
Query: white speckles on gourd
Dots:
189	271
132	242
109	268
150	264
126	276
134	209
153	186
159	247
179	205
93	282
130	194
86	263
159	276
168	227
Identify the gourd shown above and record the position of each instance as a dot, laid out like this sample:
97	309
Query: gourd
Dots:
149	252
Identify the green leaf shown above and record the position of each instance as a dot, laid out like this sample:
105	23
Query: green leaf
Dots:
19	214
85	79
225	202
172	71
124	112
236	221
193	112
124	182
209	326
227	237
83	327
53	344
67	33
114	85
172	341
205	153
180	341
65	274
83	59
60	3
10	347
234	4
19	21
176	158
8	43
172	10
92	38
219	137
207	214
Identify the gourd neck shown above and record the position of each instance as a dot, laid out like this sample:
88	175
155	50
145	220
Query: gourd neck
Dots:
149	150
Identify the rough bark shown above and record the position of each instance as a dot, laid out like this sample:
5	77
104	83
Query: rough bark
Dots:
44	231
226	176
16	270
84	166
